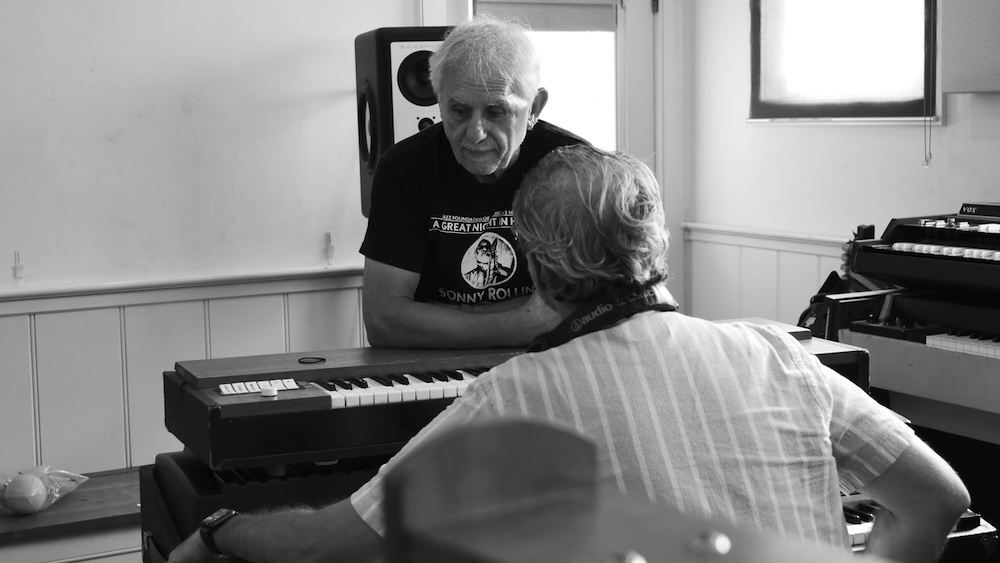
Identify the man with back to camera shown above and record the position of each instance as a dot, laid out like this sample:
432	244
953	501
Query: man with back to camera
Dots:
730	421
441	267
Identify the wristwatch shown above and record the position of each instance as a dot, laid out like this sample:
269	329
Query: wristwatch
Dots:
212	523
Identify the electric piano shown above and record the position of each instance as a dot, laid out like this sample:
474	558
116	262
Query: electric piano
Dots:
273	410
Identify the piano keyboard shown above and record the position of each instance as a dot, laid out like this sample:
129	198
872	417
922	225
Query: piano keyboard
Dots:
859	514
374	390
978	344
378	390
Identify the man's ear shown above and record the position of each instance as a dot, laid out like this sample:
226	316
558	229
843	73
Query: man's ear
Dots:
541	98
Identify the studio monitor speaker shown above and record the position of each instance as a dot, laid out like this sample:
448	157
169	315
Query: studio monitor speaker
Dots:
395	98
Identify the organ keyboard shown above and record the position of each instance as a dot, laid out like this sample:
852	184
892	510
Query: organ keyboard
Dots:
956	253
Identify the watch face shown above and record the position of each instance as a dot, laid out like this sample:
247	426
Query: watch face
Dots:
215	517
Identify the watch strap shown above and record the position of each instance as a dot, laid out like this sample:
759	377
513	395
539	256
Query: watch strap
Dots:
211	524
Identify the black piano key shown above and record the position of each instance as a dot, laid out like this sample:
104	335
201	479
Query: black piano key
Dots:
968	521
426	378
359	382
384	380
397	378
851	517
475	372
328	385
453	375
869	506
343	384
861	516
438	376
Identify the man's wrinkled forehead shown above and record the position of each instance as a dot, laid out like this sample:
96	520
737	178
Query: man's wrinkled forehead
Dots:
461	86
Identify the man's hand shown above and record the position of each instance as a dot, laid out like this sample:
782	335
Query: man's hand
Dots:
394	320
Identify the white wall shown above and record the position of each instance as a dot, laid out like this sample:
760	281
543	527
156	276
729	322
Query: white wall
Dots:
144	140
822	179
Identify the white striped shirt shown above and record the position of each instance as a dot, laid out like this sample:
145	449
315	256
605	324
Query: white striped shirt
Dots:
730	421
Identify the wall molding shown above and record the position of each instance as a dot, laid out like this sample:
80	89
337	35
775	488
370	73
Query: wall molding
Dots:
763	238
22	301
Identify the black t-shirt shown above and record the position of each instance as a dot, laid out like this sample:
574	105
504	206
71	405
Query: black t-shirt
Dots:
431	216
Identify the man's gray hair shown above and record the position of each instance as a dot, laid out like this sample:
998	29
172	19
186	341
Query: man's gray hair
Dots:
592	222
488	49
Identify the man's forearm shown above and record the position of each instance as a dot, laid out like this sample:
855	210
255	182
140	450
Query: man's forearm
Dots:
302	535
411	324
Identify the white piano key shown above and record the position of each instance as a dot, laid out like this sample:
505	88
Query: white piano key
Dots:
423	391
449	387
379	393
407	392
337	399
964	344
392	393
467	378
351	397
365	395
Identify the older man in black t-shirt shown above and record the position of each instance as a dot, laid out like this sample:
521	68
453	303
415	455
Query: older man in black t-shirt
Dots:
442	269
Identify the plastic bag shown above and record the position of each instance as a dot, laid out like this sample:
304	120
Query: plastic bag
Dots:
35	489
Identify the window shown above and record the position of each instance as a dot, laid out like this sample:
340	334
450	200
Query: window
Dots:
577	45
843	59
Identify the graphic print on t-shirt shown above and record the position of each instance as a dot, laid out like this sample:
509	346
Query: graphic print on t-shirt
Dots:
490	261
475	262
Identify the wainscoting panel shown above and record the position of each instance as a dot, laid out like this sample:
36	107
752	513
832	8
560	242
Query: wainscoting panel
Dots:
17	405
158	336
246	326
81	370
81	395
758	272
316	321
733	272
714	288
